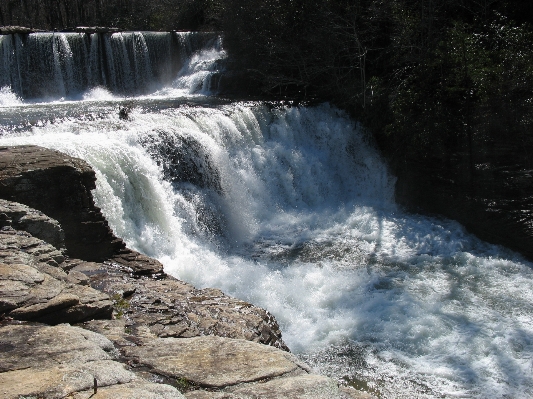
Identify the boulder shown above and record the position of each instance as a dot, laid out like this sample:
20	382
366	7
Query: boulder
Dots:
22	217
60	361
214	361
60	186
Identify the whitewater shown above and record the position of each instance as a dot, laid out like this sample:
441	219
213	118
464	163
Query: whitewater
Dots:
289	208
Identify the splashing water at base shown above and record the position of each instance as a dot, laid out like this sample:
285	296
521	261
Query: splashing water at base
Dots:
8	98
292	210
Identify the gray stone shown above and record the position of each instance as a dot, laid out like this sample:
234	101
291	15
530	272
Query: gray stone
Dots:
169	308
34	222
214	361
32	289
300	387
61	381
309	386
134	390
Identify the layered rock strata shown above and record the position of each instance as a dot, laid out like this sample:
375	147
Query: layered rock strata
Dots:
60	186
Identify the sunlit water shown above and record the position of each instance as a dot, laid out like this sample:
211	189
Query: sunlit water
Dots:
292	209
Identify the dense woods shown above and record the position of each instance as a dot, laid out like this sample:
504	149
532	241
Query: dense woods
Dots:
425	76
122	14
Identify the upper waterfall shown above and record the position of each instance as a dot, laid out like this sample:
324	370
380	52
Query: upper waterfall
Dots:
55	66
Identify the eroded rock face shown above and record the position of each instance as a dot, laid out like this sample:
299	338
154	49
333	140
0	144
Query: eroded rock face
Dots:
60	186
153	308
32	287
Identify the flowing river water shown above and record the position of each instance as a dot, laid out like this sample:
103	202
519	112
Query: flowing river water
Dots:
289	208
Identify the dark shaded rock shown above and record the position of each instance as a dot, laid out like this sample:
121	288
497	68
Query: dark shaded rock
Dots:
183	159
60	186
493	199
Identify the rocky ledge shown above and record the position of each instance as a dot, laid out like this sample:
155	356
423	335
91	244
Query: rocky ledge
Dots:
82	316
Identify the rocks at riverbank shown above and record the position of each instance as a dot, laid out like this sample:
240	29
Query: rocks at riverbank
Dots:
139	333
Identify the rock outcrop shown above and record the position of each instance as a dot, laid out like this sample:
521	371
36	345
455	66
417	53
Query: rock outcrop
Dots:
32	287
60	186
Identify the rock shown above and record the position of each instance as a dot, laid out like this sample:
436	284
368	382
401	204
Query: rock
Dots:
214	361
11	30
55	362
34	222
60	186
139	263
75	277
41	346
132	390
91	29
32	289
171	308
310	386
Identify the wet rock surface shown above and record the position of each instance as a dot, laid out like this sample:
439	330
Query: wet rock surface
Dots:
139	333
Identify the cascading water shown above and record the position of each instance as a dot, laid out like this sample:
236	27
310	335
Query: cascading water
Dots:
66	66
292	209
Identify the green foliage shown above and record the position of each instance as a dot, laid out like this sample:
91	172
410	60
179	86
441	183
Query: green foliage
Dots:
182	384
120	305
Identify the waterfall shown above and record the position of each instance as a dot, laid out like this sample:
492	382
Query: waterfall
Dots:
289	208
55	66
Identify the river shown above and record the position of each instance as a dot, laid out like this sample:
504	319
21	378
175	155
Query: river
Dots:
289	208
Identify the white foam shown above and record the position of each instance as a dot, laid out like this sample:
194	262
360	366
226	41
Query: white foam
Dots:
8	98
